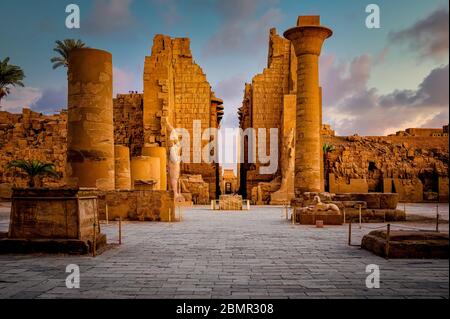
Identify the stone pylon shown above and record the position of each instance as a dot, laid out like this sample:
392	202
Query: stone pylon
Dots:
90	138
307	39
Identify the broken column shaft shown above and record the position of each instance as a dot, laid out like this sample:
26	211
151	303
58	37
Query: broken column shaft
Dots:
90	151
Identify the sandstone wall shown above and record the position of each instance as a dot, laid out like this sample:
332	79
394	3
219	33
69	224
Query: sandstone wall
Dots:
158	91
176	87
267	96
128	122
414	167
31	135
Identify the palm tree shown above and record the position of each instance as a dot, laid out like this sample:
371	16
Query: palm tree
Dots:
34	169
63	48
327	149
10	75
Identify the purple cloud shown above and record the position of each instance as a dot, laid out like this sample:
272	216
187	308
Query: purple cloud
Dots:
352	107
243	30
428	37
108	17
51	101
433	91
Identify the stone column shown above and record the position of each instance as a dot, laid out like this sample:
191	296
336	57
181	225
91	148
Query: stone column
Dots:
161	153
123	170
90	138
307	39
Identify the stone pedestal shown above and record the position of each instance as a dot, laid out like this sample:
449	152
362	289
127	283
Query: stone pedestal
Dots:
305	217
53	221
230	202
90	138
307	39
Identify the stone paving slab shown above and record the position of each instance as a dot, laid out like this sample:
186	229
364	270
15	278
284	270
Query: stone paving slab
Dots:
255	254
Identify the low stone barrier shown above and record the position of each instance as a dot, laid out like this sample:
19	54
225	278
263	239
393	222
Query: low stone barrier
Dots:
407	244
138	205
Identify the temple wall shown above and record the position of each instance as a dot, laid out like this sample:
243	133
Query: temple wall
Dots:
128	119
267	98
176	87
30	135
414	167
158	91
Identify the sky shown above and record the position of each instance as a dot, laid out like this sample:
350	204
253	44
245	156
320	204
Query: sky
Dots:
375	81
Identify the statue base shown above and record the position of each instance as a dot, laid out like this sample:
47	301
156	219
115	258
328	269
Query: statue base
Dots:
309	209
304	217
281	198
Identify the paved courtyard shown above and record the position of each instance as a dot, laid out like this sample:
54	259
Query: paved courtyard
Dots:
255	254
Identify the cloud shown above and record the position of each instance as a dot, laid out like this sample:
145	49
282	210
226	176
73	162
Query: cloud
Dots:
243	29
51	101
46	101
345	79
352	107
168	10
108	17
432	91
126	80
428	37
20	98
231	91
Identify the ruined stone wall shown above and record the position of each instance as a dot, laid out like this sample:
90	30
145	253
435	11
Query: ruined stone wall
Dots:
176	87
267	97
414	167
128	122
245	121
158	91
195	189
424	132
192	102
31	135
